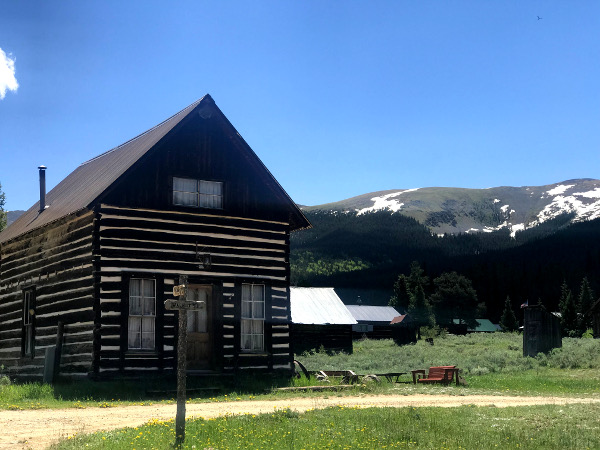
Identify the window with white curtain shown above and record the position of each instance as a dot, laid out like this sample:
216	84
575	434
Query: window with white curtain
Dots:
142	314
197	193
253	318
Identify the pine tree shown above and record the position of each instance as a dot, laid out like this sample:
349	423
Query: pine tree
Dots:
508	321
454	298
584	303
407	286
568	311
420	311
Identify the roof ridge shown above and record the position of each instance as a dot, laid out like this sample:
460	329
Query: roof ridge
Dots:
193	105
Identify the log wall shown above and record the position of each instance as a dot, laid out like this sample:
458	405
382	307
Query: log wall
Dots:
56	263
331	337
136	242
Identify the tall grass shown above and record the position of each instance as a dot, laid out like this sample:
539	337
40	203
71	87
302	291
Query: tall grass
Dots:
475	354
489	362
543	427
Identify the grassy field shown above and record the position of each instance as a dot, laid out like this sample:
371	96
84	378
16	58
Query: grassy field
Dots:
491	363
468	427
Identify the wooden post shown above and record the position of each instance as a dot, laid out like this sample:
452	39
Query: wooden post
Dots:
60	329
181	369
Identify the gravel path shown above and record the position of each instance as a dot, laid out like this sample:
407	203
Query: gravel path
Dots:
36	429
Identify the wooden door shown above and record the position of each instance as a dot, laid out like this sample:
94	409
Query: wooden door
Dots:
199	329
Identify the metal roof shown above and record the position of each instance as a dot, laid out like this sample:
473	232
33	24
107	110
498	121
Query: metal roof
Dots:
318	306
368	313
88	181
398	319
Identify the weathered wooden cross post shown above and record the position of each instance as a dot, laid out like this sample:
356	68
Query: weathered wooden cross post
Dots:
182	305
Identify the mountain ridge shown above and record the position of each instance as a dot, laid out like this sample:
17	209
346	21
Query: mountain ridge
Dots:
467	210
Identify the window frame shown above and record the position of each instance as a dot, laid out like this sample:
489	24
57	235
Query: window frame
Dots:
28	323
251	319
199	194
141	316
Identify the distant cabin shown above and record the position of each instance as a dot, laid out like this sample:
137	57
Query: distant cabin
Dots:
320	319
373	321
110	241
404	330
483	326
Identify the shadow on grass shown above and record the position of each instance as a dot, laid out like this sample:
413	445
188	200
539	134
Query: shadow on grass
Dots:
165	387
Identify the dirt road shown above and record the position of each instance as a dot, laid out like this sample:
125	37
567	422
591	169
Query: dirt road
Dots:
37	429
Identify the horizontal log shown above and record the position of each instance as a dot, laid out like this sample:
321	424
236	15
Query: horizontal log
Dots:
194	217
72	246
181	227
37	237
190	247
218	257
241	241
216	270
65	265
67	317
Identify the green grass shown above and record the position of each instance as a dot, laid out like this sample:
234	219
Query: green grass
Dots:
534	427
490	363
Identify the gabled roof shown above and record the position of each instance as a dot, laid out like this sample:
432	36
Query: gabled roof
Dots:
400	319
318	306
92	178
367	313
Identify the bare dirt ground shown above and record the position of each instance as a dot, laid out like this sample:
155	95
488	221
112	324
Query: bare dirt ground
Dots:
37	429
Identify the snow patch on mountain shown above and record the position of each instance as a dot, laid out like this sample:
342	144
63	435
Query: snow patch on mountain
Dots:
387	201
591	194
560	189
576	203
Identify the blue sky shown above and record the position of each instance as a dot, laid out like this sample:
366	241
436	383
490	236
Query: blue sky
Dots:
337	98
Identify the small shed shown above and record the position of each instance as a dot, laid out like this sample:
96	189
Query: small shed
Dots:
373	321
541	331
404	330
319	318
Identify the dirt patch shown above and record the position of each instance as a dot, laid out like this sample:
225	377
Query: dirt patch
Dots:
39	428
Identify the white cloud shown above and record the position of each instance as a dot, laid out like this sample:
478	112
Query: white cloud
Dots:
7	74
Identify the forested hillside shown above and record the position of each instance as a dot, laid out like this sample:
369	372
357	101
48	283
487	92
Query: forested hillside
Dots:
369	251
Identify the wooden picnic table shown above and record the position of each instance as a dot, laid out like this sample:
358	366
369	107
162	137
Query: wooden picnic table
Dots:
391	375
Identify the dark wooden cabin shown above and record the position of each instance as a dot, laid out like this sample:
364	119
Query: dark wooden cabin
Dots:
320	319
187	197
374	322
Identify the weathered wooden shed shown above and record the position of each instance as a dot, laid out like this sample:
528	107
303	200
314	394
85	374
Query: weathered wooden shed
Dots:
187	197
320	318
404	330
541	331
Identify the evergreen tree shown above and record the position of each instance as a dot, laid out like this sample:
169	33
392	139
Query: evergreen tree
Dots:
454	298
420	311
584	303
401	297
508	321
406	287
568	311
2	212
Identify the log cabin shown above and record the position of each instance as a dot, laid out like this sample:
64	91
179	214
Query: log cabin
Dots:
101	252
320	319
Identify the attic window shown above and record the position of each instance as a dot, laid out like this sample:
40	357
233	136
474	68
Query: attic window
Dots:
197	193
